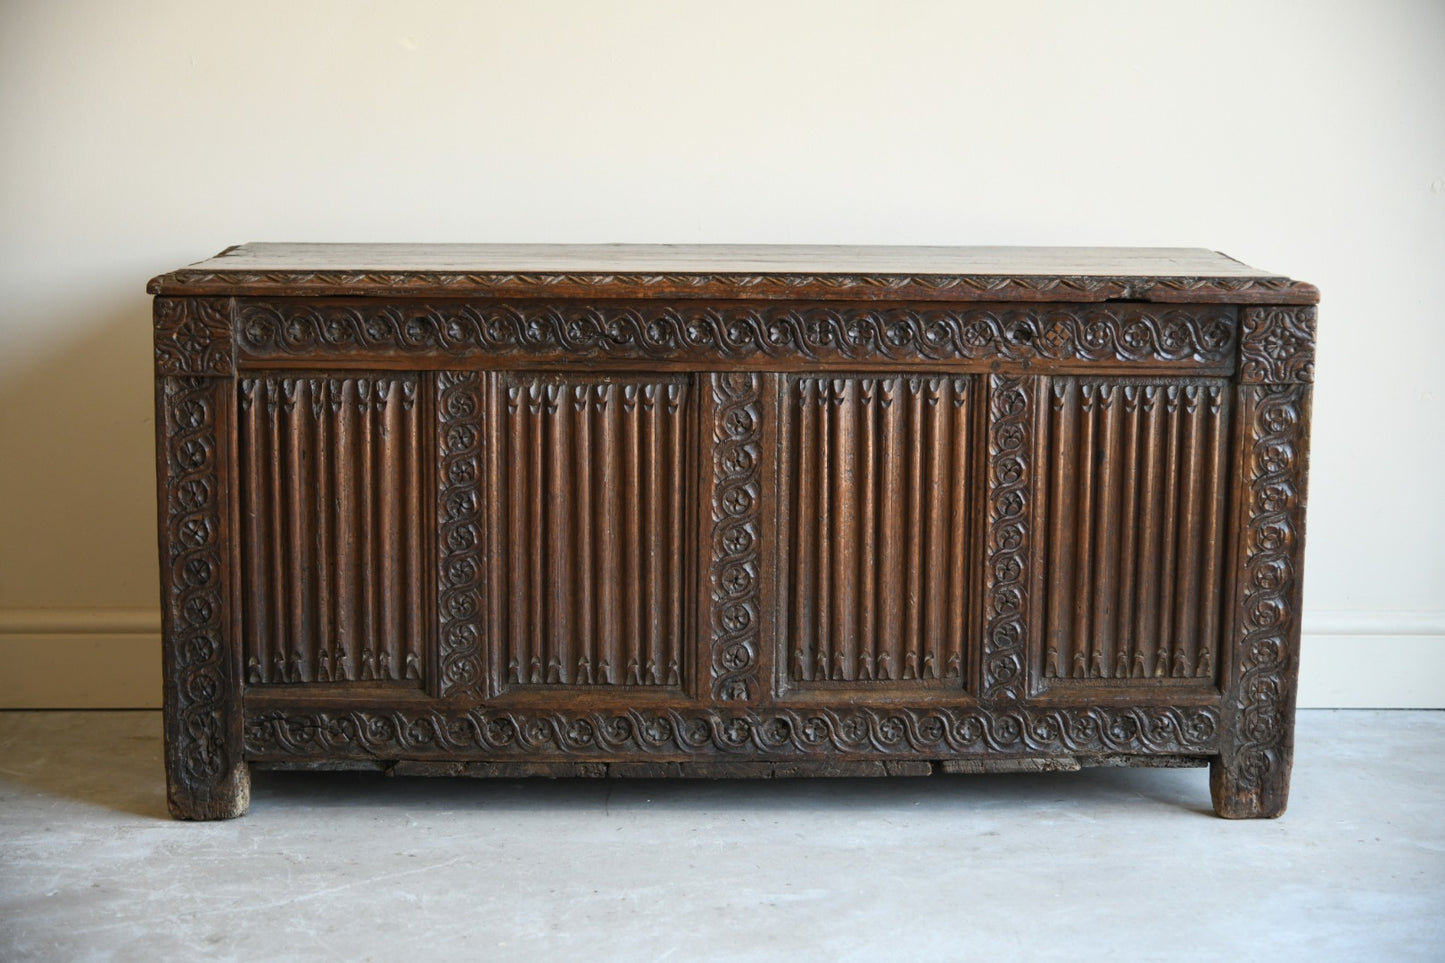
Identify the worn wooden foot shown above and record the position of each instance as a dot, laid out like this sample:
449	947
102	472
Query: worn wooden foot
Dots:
1242	791
226	798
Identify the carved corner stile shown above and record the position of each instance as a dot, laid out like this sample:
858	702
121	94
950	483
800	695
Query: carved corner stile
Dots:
1250	778
207	776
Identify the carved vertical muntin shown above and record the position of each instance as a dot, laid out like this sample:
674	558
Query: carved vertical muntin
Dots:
460	420
206	776
1251	776
1007	536
733	461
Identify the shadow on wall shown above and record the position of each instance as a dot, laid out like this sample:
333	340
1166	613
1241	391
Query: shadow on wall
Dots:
77	480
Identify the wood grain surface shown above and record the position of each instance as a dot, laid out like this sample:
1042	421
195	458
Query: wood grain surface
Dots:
789	271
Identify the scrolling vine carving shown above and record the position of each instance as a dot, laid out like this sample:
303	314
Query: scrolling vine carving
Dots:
1011	407
1268	618
198	674
459	529
737	431
898	731
1192	335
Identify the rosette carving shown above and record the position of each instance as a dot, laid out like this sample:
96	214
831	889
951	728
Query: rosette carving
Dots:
782	733
1252	777
1191	336
460	431
1277	345
1010	452
193	336
737	431
206	776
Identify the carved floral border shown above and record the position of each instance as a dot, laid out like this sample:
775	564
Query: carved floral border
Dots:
198	676
1268	629
736	452
1010	450
1192	335
460	432
772	733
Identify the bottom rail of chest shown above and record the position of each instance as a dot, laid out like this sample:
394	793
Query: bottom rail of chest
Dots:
737	769
723	743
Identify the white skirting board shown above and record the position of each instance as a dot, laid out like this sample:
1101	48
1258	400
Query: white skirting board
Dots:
1372	660
110	659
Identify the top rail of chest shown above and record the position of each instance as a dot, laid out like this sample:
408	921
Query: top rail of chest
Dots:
716	307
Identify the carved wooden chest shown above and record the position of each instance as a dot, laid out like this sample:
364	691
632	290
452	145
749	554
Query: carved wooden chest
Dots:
729	511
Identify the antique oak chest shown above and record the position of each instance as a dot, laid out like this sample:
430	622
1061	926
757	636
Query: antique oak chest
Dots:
729	511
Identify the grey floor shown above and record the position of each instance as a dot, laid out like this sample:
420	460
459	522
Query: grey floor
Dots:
1111	864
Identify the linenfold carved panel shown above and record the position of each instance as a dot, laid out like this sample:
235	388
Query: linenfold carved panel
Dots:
1132	493
876	484
357	330
592	508
332	539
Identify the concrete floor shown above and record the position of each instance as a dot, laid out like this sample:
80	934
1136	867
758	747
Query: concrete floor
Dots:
1114	864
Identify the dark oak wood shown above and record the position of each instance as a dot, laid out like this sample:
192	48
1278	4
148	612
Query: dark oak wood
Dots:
646	510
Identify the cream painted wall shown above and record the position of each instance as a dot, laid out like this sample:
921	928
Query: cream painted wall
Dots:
1305	138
